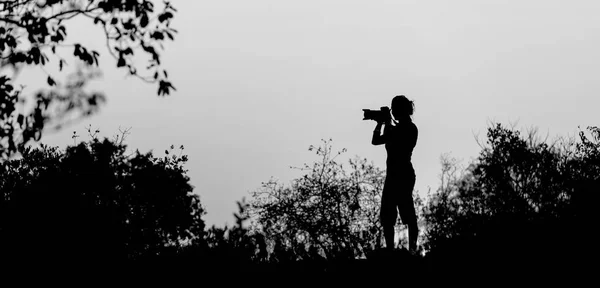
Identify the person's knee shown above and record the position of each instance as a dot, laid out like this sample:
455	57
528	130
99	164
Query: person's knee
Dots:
388	218
407	212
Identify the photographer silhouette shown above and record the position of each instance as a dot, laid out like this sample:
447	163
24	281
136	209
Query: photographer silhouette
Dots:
399	140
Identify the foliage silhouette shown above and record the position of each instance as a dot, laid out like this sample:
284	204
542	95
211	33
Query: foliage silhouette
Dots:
522	202
328	213
33	33
518	210
499	217
92	202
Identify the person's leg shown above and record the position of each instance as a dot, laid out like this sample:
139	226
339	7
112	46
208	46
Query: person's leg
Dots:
407	213
413	233
388	213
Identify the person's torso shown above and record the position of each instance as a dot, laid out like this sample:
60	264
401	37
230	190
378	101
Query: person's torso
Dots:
400	144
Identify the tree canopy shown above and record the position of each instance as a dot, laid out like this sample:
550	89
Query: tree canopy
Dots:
521	197
34	33
93	200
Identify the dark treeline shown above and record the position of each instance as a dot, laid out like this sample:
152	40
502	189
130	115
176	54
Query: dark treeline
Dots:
523	207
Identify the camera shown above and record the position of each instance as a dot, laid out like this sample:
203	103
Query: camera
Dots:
382	115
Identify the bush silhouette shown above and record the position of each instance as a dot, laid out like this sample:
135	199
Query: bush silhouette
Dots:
331	212
522	202
92	201
324	213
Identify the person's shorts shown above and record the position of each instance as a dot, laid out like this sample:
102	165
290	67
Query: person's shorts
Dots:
397	194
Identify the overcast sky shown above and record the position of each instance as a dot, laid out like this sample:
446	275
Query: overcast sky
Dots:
259	81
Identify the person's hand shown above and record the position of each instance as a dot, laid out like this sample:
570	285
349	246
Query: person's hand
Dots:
378	127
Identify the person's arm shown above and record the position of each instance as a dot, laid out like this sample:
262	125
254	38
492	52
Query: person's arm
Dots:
379	139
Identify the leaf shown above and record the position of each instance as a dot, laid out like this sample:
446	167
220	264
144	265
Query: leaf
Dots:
20	119
144	20
157	35
165	16
164	87
96	54
121	62
77	50
128	51
51	81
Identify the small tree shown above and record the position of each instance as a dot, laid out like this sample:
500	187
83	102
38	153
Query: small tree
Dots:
329	212
33	33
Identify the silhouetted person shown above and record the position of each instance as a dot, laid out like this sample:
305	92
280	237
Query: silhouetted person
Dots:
399	140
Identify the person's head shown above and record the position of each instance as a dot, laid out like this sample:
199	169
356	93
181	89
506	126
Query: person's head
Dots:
402	107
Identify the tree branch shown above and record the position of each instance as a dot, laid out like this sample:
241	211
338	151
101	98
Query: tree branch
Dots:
15	4
76	11
10	21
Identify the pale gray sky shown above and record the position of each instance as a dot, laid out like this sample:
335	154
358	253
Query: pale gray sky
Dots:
259	81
